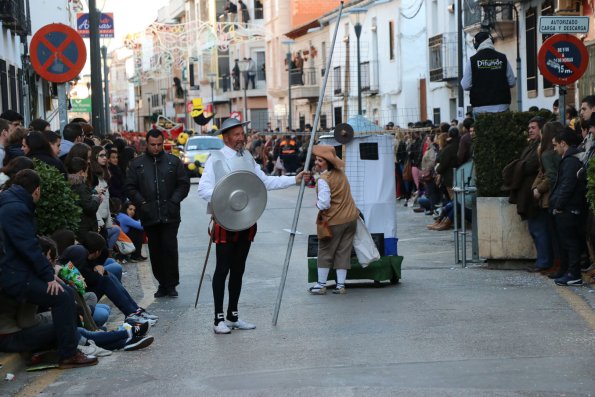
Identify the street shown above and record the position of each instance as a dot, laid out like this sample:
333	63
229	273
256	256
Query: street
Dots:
442	331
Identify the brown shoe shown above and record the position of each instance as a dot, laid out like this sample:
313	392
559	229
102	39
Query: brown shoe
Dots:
552	270
444	225
433	225
78	360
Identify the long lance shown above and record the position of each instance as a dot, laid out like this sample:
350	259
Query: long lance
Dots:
204	267
298	204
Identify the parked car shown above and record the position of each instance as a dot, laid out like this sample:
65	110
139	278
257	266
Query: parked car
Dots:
196	152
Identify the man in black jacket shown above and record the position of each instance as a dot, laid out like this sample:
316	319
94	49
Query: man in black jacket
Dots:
26	275
157	183
488	77
568	206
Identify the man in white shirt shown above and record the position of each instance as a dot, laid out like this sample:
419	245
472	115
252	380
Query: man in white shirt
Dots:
233	247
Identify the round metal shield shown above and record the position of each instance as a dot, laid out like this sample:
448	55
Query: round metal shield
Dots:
343	133
238	200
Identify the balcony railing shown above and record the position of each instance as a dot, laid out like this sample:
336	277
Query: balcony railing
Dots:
14	16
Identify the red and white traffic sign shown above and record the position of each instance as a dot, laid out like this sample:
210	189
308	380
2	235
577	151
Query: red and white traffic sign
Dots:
58	53
563	59
236	115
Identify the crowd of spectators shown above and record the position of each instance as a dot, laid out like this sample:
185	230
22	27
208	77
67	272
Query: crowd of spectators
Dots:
50	285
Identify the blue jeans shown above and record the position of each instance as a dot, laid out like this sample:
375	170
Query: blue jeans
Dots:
109	286
113	267
538	228
112	236
101	314
33	339
110	340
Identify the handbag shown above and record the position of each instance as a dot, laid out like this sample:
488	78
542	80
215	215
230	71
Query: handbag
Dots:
407	173
363	244
124	245
427	176
322	228
71	276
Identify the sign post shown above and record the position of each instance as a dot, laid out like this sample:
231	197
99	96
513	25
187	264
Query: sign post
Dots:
562	60
58	54
563	24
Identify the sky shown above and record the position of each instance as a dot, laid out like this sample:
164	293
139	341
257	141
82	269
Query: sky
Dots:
129	16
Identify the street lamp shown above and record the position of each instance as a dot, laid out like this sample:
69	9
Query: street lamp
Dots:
288	43
244	64
357	16
212	77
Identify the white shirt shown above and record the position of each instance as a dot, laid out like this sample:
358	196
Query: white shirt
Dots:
208	180
324	195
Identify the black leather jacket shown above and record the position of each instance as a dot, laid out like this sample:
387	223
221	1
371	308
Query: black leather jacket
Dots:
568	193
157	185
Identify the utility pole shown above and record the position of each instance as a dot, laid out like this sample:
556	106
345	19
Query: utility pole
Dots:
97	114
106	86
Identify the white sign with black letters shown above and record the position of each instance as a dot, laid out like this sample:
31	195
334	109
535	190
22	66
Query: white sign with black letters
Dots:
568	24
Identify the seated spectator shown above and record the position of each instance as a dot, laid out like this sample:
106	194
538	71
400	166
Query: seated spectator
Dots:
133	229
26	275
102	282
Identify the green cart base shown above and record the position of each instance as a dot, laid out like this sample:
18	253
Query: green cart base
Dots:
388	268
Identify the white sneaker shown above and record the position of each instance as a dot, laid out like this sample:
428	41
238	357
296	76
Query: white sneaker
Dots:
100	351
221	328
240	324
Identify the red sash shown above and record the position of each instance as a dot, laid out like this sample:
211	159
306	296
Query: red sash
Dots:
223	236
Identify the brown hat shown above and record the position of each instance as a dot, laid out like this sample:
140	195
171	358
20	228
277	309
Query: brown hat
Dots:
328	153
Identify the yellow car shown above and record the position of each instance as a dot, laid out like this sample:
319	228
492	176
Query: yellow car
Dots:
196	152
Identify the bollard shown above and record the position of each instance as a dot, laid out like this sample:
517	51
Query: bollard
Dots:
455	190
463	227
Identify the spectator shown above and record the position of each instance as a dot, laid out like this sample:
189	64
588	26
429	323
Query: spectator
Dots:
88	200
251	73
488	76
26	274
15	143
4	126
157	183
567	204
465	151
116	182
102	282
235	73
72	133
40	125
132	228
8	172
54	140
549	161
244	11
14	118
36	146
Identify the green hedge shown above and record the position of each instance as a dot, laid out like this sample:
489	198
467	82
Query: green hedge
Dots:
499	139
57	208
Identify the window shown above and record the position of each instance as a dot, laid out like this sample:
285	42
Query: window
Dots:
323	121
3	85
338	115
436	117
368	151
302	122
531	45
391	39
258	10
337	79
13	87
260	65
365	75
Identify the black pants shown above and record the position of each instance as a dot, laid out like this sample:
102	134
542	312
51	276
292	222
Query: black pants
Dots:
63	317
137	237
163	249
231	259
568	226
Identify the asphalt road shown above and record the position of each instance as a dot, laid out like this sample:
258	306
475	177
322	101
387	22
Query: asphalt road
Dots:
442	331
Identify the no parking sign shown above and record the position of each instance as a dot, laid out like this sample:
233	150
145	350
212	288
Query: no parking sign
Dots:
563	59
58	53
